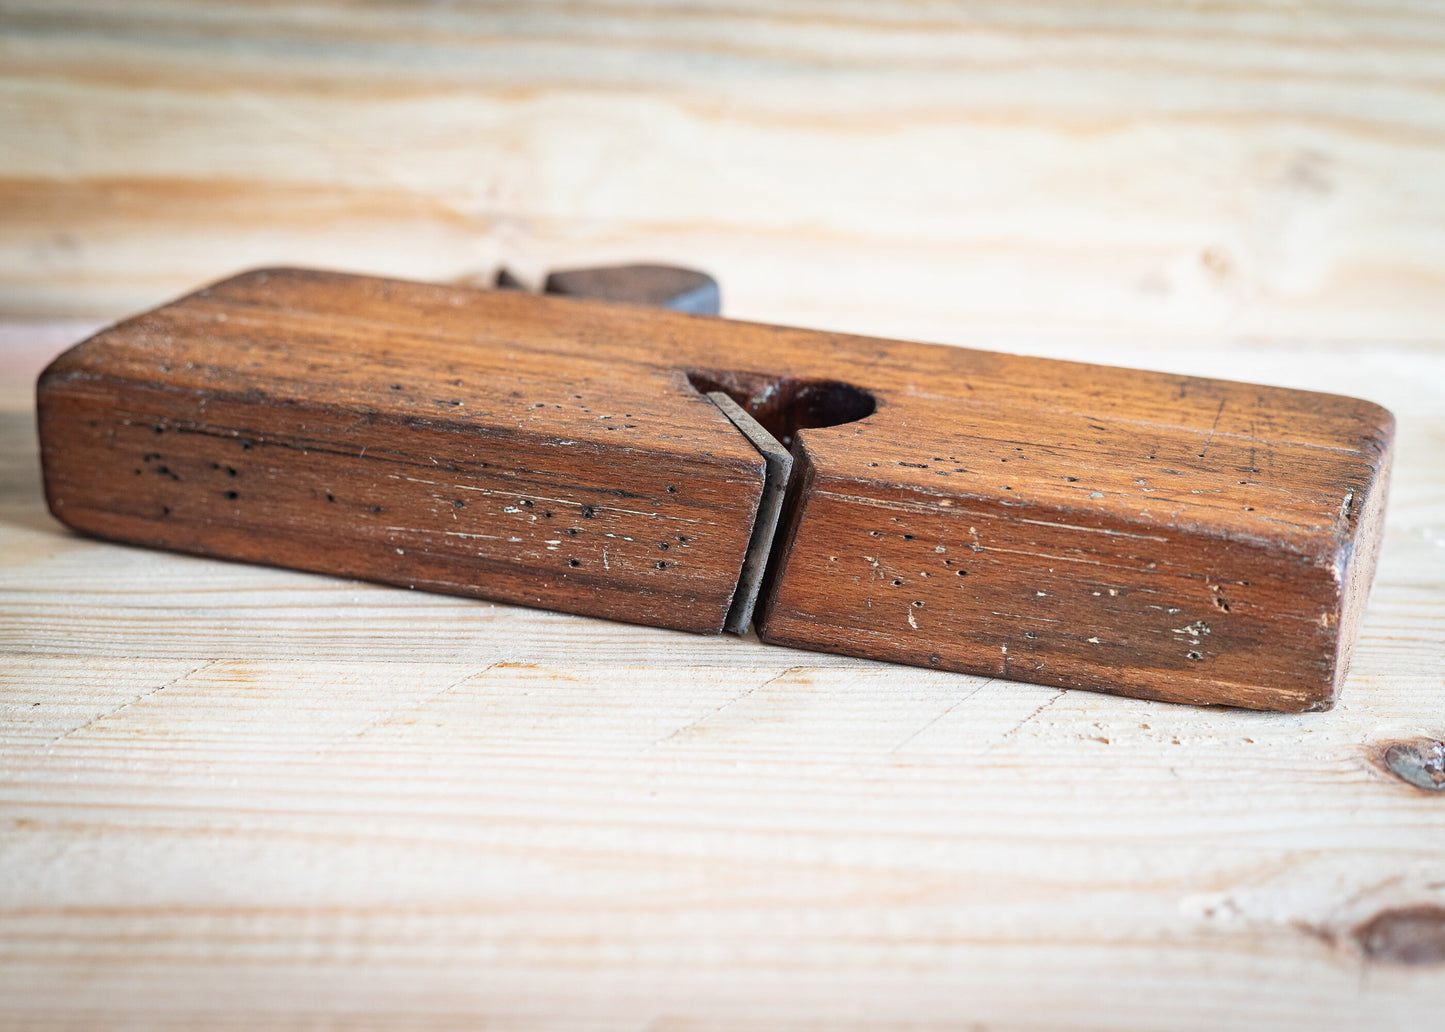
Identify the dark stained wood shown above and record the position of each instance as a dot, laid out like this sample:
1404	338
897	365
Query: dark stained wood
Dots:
1081	526
350	441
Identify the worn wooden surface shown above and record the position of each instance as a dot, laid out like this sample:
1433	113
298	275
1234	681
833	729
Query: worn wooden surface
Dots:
1171	537
239	797
427	437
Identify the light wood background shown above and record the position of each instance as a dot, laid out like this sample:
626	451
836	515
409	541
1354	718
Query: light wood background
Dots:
239	797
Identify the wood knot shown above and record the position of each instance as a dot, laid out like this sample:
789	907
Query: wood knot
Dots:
1419	762
1407	935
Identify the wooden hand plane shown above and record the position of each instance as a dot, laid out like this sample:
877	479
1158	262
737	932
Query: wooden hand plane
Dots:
1073	525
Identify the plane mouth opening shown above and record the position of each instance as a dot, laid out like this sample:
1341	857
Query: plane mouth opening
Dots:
786	404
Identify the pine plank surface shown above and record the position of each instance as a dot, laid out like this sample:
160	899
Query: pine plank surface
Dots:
239	797
884	168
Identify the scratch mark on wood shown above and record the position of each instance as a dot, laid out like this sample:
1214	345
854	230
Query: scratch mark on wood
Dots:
392	715
708	716
946	711
1092	530
1215	426
127	705
1017	727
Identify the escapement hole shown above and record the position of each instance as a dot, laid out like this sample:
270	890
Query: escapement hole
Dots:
784	405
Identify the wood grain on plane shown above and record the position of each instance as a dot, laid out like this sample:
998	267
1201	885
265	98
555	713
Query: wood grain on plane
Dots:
1081	526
